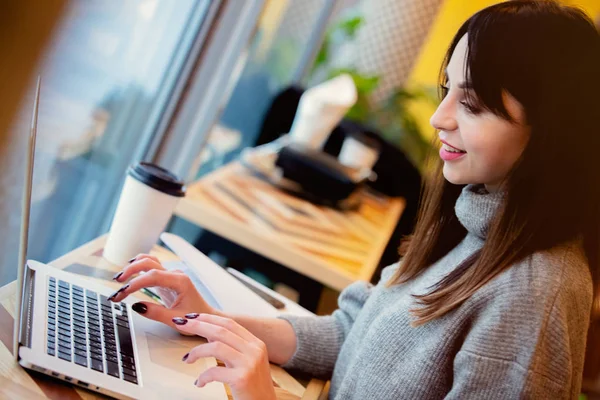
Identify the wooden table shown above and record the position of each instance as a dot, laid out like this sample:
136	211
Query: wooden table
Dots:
16	382
332	247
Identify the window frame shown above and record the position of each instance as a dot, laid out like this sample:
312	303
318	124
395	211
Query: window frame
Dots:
197	110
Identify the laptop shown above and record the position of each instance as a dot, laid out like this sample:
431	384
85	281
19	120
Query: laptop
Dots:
66	327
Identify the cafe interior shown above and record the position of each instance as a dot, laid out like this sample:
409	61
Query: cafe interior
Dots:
298	129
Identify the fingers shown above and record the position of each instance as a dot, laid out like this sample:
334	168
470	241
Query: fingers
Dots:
219	350
228	324
155	312
214	374
212	332
154	277
246	368
143	256
141	264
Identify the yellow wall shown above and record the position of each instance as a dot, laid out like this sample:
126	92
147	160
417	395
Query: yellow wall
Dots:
591	7
450	17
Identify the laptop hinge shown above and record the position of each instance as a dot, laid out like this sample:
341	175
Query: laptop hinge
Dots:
27	307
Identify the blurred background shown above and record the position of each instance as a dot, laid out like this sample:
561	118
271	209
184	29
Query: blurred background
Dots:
189	85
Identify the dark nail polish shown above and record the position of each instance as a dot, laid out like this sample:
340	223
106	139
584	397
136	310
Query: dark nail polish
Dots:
185	357
117	276
196	382
139	308
192	315
179	321
132	260
112	296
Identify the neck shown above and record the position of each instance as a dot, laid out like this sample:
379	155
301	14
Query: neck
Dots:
493	187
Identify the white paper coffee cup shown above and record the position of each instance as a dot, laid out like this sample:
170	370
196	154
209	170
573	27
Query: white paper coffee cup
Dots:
147	201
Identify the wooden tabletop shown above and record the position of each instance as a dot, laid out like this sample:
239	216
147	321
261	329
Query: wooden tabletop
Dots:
332	247
16	382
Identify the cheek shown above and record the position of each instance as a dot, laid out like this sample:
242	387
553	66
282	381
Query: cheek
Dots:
497	149
478	142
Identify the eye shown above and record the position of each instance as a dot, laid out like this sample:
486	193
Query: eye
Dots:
472	109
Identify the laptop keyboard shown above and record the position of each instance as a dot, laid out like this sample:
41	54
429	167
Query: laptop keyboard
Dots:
89	330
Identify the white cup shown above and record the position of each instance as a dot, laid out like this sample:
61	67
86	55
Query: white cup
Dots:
357	154
147	201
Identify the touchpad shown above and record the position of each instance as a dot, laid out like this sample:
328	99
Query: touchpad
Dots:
168	353
166	347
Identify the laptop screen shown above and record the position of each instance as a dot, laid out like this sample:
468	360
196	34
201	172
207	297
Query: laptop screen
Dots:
26	209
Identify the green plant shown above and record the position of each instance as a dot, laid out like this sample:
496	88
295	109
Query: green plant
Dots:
399	125
365	85
393	117
344	32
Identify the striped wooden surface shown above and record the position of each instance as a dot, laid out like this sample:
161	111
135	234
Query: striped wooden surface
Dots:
18	383
332	247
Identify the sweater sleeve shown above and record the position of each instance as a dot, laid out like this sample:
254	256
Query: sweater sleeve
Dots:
517	350
320	338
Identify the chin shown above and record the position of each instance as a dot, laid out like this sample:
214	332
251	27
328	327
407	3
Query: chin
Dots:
454	182
453	177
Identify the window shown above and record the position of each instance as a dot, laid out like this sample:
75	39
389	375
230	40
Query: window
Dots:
106	79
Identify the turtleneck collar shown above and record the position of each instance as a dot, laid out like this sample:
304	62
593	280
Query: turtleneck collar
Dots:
475	208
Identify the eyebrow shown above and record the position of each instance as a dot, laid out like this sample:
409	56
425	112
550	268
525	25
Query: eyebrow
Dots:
462	85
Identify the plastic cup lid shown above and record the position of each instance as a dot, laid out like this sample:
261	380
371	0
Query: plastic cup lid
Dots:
158	178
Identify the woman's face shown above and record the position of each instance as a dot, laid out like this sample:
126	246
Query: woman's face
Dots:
477	145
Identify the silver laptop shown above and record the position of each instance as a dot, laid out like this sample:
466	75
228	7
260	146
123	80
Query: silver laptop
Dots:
66	327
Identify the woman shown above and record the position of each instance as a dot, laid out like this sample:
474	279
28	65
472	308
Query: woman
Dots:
493	296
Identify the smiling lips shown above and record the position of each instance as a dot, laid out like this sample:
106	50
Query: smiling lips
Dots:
448	153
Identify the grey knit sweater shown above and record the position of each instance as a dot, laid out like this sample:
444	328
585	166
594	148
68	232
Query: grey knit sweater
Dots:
520	336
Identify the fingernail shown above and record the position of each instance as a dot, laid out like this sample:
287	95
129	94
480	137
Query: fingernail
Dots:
132	260
179	321
196	382
139	308
117	276
185	357
112	296
192	315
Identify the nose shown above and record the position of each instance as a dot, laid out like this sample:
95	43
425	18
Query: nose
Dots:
444	118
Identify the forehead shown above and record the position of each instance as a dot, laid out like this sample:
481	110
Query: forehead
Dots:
456	65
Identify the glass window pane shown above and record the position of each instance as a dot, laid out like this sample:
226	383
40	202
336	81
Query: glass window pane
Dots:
102	80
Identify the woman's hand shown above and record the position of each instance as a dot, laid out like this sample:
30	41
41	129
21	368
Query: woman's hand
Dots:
175	288
246	370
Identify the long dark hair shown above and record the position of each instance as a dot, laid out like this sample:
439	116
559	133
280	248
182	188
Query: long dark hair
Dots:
547	56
